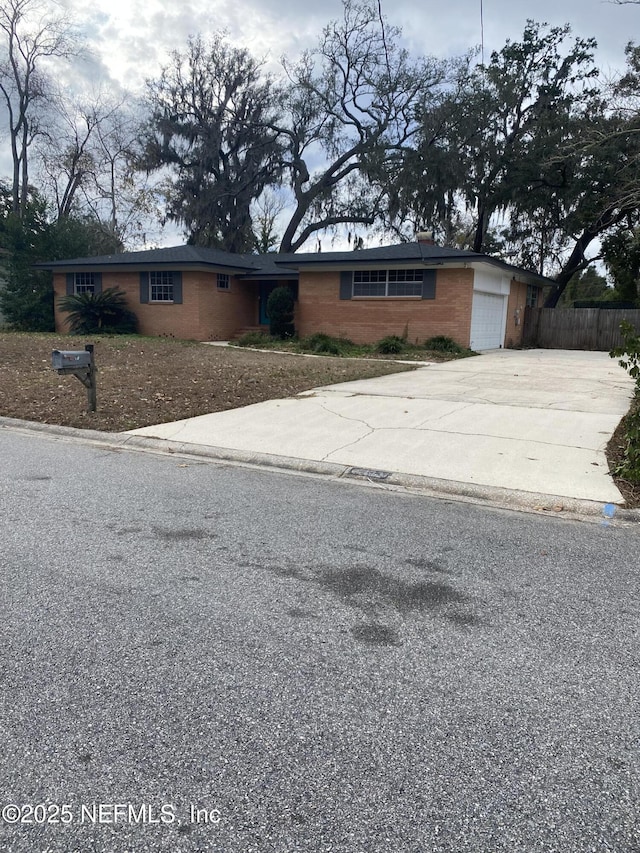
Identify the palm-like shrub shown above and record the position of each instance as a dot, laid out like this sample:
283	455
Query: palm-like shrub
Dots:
99	313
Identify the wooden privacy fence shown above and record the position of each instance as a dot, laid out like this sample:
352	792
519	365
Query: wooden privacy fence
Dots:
576	328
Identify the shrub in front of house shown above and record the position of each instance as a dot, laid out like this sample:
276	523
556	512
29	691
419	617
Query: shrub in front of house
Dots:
104	313
391	345
280	306
326	345
441	343
255	339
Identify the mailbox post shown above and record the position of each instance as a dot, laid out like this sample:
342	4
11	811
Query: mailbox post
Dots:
82	365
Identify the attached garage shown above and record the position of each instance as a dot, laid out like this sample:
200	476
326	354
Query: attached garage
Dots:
488	311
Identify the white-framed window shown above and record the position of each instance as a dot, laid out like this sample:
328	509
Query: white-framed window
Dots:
224	281
84	282
404	282
161	286
532	295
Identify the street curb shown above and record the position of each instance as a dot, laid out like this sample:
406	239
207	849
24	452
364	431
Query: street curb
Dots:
508	499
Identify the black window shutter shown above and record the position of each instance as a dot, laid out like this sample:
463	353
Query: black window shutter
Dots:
70	282
428	284
144	287
97	282
177	288
346	285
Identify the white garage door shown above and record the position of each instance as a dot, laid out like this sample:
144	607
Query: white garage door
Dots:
487	321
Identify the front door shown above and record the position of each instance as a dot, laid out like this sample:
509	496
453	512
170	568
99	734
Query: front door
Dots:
265	291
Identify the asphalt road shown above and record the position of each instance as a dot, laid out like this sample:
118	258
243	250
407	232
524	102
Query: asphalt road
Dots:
305	665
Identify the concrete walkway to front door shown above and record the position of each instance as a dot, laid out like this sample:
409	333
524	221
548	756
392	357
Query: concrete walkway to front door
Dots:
533	420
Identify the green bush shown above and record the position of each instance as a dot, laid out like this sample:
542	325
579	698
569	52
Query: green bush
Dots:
391	345
629	468
99	313
628	356
325	344
440	343
255	339
26	301
280	306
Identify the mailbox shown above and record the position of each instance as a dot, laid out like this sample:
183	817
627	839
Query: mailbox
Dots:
78	363
73	359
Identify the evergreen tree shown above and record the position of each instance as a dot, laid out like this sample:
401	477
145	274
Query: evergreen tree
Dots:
26	300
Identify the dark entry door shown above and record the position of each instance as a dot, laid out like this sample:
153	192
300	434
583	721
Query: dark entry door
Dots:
265	291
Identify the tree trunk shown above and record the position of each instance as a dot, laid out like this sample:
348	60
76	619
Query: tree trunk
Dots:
286	244
478	240
24	189
15	189
575	263
577	260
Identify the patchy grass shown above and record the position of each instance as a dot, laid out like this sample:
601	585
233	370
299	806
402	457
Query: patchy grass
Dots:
144	381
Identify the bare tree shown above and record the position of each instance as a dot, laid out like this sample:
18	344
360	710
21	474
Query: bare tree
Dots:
268	210
88	167
65	155
350	105
31	37
118	194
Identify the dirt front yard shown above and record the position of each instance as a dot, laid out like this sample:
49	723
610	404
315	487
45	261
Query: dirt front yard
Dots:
145	381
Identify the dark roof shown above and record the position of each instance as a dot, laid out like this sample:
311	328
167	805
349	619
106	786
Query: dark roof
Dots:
407	253
287	265
170	256
272	265
400	252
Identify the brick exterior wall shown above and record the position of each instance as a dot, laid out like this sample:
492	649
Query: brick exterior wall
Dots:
209	314
366	320
515	314
205	314
223	312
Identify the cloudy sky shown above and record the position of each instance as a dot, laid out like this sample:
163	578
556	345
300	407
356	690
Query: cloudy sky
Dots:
131	38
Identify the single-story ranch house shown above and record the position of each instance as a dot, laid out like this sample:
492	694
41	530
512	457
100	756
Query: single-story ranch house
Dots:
415	288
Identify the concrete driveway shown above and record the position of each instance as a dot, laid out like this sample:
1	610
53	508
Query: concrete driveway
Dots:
534	421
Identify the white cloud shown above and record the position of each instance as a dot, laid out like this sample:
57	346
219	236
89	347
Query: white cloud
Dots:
132	38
